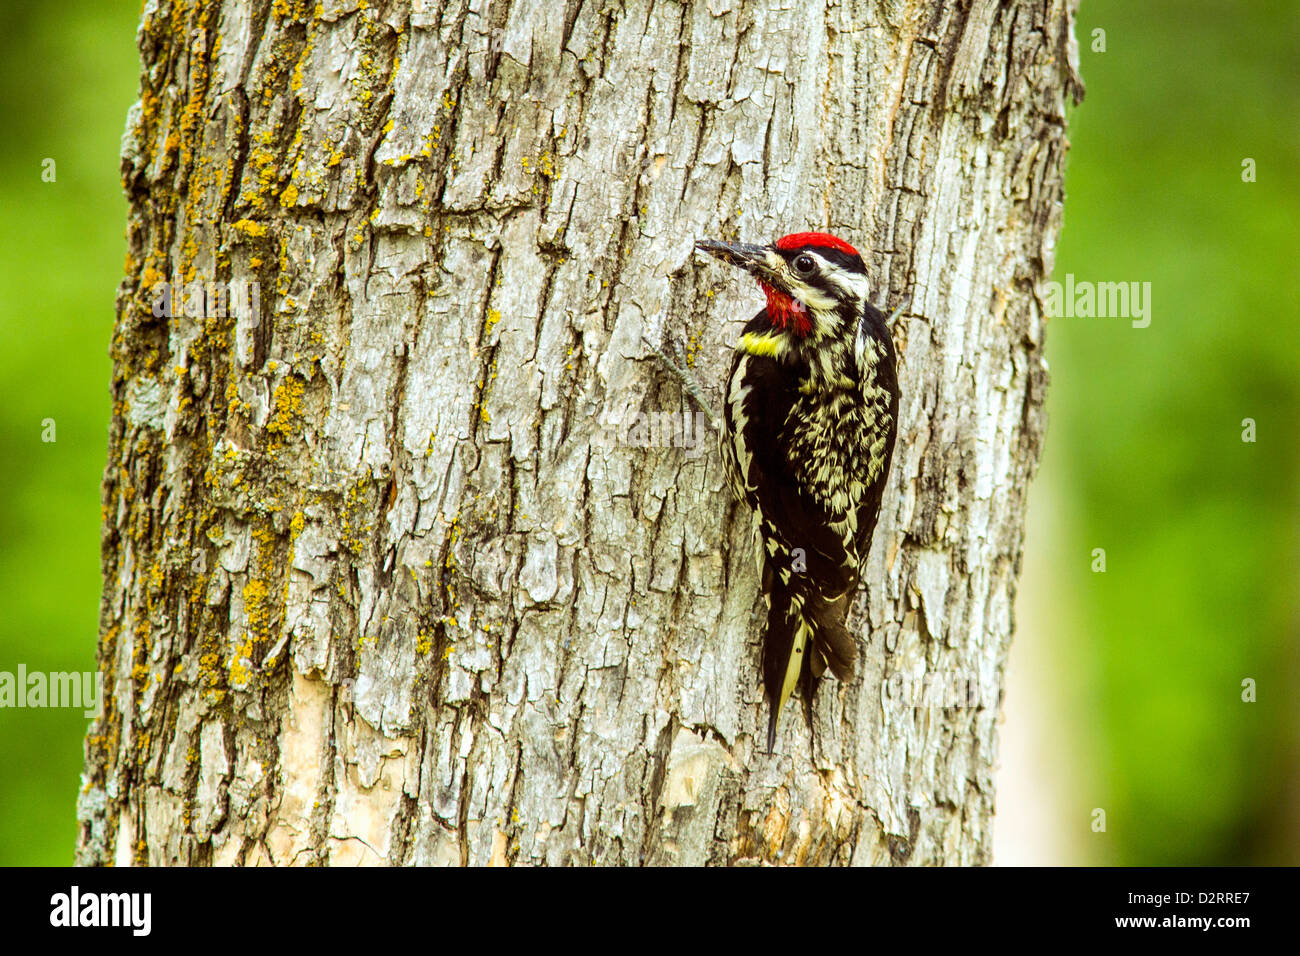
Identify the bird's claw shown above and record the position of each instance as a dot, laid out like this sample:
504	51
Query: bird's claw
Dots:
684	378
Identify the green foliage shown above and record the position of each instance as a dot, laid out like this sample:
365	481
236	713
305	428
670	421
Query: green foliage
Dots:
1145	442
67	78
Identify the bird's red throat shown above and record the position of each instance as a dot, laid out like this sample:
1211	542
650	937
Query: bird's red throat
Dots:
787	314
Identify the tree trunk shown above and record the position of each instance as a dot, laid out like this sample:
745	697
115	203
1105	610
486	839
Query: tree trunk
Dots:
395	572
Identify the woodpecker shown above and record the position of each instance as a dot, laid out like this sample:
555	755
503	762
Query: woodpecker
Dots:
810	416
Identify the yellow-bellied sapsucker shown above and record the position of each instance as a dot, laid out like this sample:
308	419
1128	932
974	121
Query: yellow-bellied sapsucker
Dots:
808	433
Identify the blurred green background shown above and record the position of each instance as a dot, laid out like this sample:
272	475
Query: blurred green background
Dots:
1130	680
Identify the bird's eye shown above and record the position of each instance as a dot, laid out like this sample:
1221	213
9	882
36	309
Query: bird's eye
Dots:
804	265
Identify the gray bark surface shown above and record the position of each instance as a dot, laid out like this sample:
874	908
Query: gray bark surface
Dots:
383	581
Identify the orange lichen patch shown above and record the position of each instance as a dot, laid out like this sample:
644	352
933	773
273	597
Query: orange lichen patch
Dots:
189	250
296	9
263	161
249	228
212	676
287	410
284	277
374	70
233	402
151	277
255	607
295	81
241	663
357	508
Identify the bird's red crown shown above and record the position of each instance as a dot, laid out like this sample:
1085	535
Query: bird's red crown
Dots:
797	239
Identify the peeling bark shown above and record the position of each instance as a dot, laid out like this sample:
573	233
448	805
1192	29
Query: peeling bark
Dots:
389	578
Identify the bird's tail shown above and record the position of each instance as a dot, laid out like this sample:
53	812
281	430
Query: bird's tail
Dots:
805	636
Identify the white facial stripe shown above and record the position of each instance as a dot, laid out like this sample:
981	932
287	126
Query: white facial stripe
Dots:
853	284
813	297
850	284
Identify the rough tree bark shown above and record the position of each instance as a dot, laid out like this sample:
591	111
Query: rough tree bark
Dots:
383	582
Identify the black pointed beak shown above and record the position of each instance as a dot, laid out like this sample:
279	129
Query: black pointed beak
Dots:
753	259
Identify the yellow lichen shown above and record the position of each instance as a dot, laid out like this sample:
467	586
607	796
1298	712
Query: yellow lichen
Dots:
287	411
249	228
